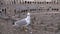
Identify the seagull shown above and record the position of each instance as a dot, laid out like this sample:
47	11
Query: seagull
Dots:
23	22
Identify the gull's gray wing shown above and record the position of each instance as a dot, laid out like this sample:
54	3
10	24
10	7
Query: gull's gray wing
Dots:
21	22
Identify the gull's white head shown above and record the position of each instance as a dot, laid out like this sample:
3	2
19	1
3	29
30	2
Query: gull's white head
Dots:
28	14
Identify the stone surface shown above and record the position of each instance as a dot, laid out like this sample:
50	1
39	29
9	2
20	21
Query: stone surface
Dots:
45	18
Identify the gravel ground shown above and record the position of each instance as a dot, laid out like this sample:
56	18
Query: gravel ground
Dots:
44	20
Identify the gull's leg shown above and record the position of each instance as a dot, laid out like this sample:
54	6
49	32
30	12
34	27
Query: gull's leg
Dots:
25	28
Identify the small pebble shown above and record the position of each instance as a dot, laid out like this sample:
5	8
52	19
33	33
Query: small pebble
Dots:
31	32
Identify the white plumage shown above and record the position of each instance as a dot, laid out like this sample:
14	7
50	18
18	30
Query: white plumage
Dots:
23	22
